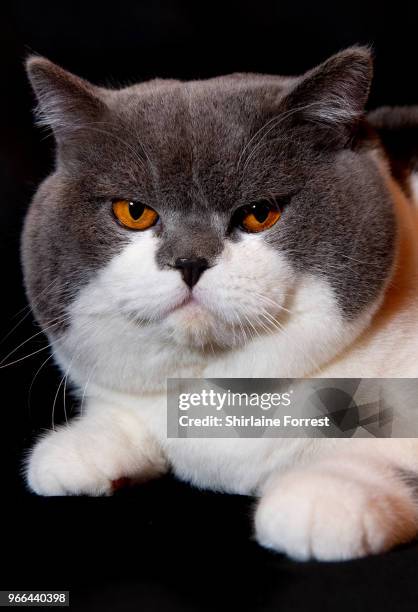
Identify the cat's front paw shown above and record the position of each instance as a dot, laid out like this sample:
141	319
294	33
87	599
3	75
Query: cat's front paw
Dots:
71	461
330	517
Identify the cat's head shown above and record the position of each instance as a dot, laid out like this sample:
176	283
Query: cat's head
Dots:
197	210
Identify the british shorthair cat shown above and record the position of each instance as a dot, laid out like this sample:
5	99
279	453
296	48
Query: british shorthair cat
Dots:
241	226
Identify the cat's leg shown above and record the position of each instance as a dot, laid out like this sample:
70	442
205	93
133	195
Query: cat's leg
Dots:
343	506
93	453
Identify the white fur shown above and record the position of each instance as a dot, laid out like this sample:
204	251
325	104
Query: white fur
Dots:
131	328
336	509
86	456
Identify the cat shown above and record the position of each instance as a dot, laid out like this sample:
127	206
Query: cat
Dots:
242	226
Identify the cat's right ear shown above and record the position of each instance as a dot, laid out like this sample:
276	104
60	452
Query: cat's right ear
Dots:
65	102
333	95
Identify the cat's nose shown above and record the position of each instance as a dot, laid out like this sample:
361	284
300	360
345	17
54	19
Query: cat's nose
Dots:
191	268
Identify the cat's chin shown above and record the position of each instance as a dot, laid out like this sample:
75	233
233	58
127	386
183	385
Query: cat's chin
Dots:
193	325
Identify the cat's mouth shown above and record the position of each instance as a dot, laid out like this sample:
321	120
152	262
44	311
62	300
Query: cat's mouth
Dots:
190	311
189	301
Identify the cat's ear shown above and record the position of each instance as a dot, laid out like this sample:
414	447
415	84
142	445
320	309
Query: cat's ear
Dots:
65	101
334	93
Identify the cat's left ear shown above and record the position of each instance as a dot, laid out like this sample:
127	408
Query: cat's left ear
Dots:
333	95
65	101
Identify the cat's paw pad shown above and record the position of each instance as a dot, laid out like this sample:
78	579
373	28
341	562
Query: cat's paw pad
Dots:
328	517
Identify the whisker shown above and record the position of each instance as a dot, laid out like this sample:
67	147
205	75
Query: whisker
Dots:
87	127
272	302
93	369
277	325
28	307
252	327
35	377
243	331
7	365
44	329
55	401
270	124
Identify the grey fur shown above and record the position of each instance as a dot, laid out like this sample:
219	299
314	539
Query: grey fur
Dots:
197	151
398	132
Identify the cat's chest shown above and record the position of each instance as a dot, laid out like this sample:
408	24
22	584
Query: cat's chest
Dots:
235	465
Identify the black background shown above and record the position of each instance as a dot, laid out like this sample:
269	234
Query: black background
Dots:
163	546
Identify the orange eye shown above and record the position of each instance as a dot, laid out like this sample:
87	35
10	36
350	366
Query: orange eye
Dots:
134	215
259	216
